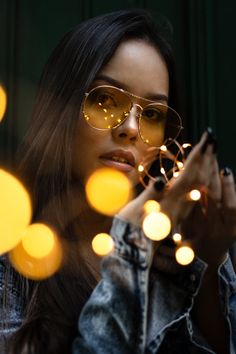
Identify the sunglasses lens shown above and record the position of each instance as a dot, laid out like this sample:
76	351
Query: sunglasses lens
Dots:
158	123
106	107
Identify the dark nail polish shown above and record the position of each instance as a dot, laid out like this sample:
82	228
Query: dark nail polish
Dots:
210	140
159	185
209	131
226	171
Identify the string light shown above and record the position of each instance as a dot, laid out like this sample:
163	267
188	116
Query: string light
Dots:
180	164
176	174
177	237
140	168
163	148
195	195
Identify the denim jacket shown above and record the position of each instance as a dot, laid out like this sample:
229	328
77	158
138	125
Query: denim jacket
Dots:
11	302
136	310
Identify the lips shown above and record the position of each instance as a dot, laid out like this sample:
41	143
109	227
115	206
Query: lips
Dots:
121	159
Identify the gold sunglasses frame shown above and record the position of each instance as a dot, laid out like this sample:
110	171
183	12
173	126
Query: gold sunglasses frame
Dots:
133	104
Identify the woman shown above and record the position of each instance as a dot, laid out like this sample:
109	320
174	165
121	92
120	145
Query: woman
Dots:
62	149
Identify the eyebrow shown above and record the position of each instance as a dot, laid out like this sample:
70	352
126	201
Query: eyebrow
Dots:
116	83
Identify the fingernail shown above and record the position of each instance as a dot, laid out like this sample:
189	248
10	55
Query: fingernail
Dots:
226	171
210	140
159	184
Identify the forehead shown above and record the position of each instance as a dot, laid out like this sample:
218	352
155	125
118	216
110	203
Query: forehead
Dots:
139	66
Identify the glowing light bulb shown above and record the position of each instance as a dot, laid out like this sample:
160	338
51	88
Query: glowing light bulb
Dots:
195	194
140	168
184	255
151	206
180	164
176	174
177	237
163	148
3	102
108	190
156	226
15	211
186	145
162	170
38	240
36	268
102	244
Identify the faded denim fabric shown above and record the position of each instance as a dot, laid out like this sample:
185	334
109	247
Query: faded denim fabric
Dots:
11	302
127	313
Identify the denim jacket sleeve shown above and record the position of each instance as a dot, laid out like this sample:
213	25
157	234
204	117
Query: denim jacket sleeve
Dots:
11	302
136	310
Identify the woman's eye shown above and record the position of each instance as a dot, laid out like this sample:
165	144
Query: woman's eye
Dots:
153	114
105	100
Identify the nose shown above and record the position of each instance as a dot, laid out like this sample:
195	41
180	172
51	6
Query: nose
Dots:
128	131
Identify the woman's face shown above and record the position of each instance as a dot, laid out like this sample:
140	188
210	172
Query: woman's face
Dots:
138	68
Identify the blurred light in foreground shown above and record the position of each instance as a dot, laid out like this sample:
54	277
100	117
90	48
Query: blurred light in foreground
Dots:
38	240
15	211
195	195
3	102
177	237
108	190
102	244
36	268
156	226
184	255
150	206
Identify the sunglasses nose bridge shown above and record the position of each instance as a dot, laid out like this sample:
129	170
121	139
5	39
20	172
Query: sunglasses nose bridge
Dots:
139	109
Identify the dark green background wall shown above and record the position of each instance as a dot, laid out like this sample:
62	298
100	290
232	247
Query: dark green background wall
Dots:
203	40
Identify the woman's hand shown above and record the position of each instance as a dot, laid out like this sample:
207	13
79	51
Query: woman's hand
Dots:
173	199
212	229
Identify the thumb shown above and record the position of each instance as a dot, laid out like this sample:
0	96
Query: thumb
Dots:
133	211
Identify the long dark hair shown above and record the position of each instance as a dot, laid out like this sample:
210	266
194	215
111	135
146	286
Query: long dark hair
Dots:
54	304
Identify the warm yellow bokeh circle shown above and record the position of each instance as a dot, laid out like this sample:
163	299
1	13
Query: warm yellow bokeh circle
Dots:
37	268
150	206
108	190
3	102
156	226
102	244
15	211
184	255
38	240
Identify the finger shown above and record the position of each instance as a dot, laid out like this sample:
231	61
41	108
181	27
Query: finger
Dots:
214	189
228	188
155	190
133	211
